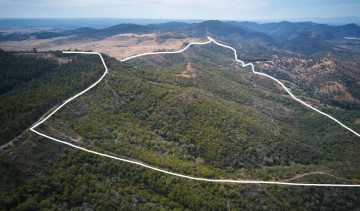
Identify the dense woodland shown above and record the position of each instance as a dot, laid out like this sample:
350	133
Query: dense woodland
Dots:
60	178
209	125
31	85
202	123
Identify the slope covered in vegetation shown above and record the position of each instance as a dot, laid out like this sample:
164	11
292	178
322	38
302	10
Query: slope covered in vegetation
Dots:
218	120
32	84
211	118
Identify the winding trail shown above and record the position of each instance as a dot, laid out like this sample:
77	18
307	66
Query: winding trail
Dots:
313	173
239	181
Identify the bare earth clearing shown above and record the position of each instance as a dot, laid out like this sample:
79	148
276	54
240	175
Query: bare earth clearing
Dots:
119	46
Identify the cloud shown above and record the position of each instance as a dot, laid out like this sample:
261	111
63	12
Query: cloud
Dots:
166	4
223	4
180	9
65	3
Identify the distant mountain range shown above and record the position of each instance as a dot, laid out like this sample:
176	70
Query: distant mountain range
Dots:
281	31
258	39
287	30
267	31
98	23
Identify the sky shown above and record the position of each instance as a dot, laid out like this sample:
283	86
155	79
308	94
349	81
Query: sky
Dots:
180	9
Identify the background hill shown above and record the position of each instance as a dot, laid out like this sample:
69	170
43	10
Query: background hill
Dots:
280	30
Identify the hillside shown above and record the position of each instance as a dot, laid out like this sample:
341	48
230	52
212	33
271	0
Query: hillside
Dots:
147	110
34	83
198	113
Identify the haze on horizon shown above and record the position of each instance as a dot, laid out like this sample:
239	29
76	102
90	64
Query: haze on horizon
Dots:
180	9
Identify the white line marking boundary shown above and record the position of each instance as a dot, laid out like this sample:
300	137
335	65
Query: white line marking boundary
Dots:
176	174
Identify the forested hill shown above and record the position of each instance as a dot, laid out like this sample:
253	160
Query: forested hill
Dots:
195	113
32	83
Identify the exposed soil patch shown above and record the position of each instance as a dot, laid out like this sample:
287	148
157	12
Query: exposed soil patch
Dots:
357	121
189	72
46	55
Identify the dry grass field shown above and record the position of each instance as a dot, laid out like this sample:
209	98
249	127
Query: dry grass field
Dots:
119	46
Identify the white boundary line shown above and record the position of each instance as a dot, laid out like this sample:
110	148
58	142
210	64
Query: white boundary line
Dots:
286	89
176	174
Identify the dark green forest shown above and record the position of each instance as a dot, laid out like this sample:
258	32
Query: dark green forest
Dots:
32	84
61	178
